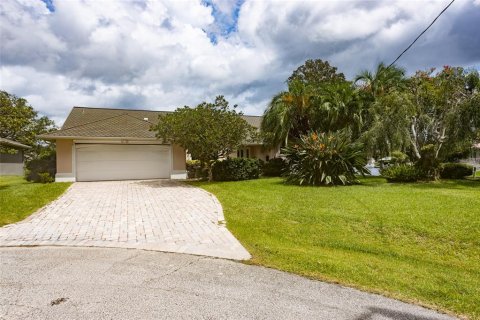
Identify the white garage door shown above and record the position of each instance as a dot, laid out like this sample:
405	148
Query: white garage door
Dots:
121	162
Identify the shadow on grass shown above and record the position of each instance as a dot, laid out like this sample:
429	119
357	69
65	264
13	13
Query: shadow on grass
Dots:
447	184
366	181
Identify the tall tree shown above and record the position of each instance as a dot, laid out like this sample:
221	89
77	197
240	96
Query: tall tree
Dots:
208	131
20	122
339	107
318	98
382	81
289	114
433	111
316	73
389	121
439	100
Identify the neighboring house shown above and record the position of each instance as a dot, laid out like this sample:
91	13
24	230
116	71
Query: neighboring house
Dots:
97	144
11	164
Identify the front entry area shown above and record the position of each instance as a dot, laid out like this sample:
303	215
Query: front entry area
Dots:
97	162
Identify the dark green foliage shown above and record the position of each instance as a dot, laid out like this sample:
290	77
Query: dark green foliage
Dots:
21	123
401	173
455	170
234	169
398	157
209	131
42	169
274	168
325	159
45	177
195	170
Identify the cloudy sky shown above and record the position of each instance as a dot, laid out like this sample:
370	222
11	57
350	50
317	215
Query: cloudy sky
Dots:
151	54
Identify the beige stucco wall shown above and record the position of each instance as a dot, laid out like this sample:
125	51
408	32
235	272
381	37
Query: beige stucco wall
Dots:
179	158
258	152
64	156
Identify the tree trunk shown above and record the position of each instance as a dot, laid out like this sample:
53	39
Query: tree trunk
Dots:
413	138
442	138
210	173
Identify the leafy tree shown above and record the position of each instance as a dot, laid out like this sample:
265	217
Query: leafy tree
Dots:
316	73
208	131
20	122
472	83
439	101
432	111
389	121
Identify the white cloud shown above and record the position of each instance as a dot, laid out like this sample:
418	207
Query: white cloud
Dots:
157	54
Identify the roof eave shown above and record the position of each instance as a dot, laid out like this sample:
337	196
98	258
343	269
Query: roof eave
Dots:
50	137
13	144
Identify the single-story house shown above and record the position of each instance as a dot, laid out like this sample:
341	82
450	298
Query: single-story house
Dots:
11	163
97	144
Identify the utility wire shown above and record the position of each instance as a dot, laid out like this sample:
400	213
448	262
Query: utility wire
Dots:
411	44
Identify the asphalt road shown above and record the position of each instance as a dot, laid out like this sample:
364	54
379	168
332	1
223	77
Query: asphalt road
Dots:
96	283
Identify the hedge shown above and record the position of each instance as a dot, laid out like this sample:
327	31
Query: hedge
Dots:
455	170
234	169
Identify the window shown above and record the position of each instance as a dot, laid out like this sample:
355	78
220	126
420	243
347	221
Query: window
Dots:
267	158
247	151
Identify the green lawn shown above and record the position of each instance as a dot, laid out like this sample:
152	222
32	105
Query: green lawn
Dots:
20	198
415	242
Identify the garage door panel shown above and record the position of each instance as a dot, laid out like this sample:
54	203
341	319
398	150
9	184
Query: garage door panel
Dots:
122	162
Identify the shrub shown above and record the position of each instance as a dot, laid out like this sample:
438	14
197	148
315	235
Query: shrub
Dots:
398	157
274	167
45	177
401	173
42	169
195	170
325	159
455	170
234	169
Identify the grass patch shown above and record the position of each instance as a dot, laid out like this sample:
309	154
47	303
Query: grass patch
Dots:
415	242
20	198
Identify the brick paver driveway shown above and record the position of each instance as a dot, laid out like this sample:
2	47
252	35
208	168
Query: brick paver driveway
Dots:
160	215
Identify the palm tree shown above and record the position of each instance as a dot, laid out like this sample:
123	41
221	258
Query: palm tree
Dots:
384	79
339	107
289	114
301	109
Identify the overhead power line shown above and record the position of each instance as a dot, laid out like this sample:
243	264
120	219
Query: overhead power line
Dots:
431	24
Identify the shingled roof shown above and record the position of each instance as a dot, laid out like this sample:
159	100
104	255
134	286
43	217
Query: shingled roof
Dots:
114	123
